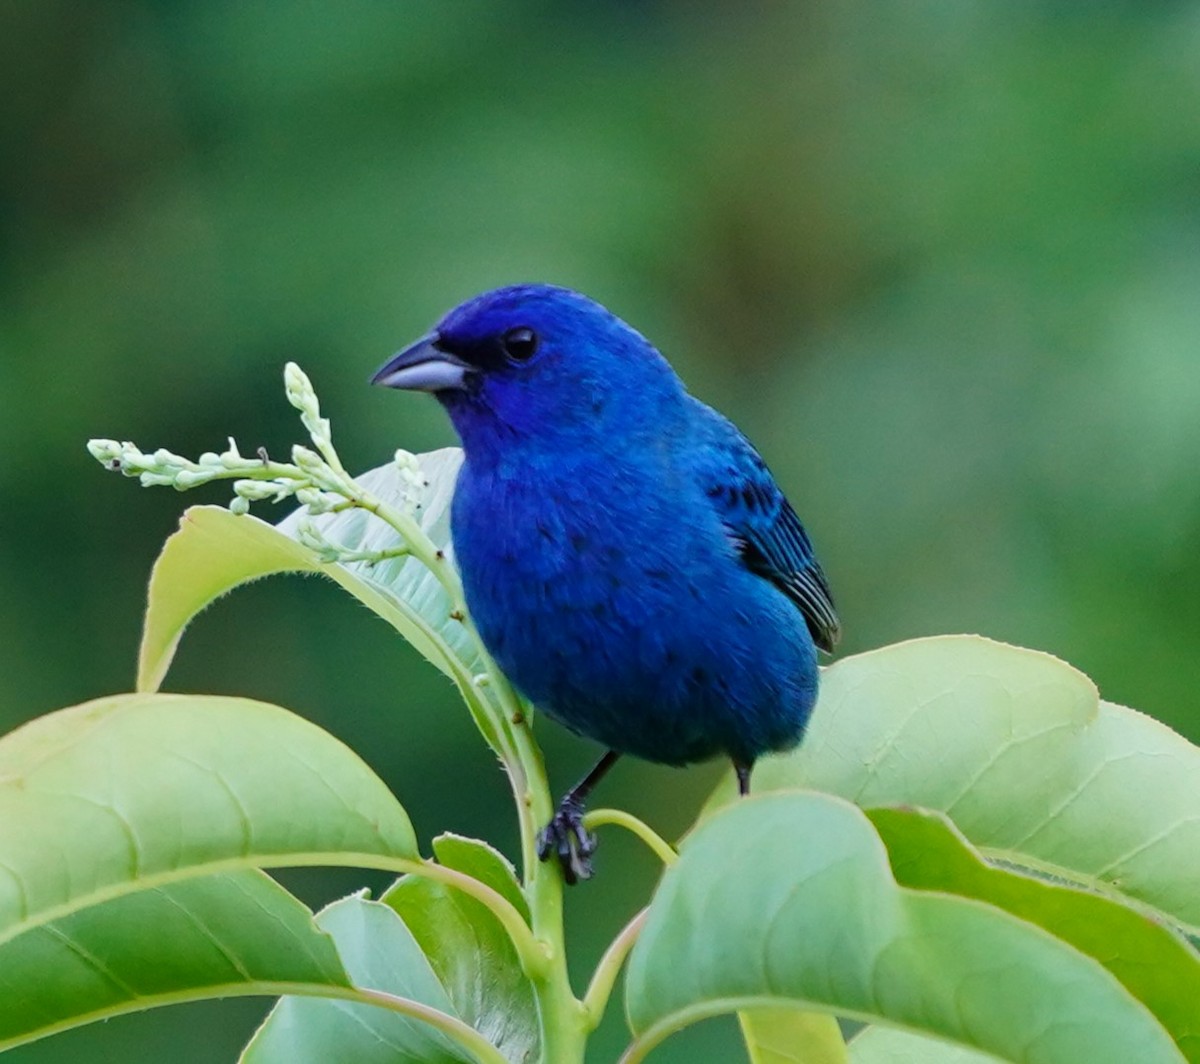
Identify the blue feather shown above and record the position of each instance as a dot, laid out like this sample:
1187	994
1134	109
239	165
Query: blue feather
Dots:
770	536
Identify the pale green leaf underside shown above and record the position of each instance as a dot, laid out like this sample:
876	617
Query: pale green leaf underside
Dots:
1150	960
135	791
789	898
238	933
1016	748
215	551
378	953
792	1036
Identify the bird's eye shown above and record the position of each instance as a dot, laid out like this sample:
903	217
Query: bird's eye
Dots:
520	343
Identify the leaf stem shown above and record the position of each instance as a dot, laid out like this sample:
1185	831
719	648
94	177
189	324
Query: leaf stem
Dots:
661	849
504	711
543	954
503	717
564	1018
420	545
534	956
467	1037
595	1001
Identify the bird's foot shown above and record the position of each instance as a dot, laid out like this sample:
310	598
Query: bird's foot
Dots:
567	838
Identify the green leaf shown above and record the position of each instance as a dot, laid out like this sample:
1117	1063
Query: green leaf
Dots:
789	899
214	551
887	1045
379	953
792	1036
469	950
1151	961
1016	748
238	933
137	791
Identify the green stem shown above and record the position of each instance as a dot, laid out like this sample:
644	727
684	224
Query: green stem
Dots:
661	849
564	1020
531	952
504	711
421	546
467	1037
530	783
595	1001
268	470
502	716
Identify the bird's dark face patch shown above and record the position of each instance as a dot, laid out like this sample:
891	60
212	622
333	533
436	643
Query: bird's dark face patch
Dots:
482	355
512	327
537	363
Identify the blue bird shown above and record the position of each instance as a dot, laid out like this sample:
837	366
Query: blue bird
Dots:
626	555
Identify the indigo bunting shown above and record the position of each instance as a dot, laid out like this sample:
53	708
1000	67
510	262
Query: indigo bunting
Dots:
628	559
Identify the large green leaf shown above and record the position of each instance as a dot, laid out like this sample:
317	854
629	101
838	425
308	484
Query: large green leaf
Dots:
1017	749
789	899
214	551
1152	962
469	950
379	953
136	791
237	933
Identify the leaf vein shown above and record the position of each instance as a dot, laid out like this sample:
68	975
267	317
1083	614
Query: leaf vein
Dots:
92	961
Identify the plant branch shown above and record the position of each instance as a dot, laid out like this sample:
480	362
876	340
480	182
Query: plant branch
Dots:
318	481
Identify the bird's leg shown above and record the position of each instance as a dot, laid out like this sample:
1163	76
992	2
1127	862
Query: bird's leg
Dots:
565	835
743	776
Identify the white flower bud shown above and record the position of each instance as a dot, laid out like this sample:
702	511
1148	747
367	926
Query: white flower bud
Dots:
260	490
300	391
132	458
231	459
105	451
239	506
308	460
317	502
188	478
311	537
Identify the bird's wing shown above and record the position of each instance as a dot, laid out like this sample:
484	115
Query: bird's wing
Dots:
762	523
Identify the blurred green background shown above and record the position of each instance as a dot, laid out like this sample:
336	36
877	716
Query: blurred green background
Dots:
939	258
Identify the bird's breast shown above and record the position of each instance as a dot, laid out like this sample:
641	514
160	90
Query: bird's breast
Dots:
575	541
625	613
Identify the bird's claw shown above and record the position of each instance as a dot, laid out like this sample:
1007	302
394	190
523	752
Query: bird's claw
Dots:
567	838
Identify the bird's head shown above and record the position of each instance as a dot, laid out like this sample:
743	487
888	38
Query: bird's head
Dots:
537	363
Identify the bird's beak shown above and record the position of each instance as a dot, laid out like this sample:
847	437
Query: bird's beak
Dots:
423	367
